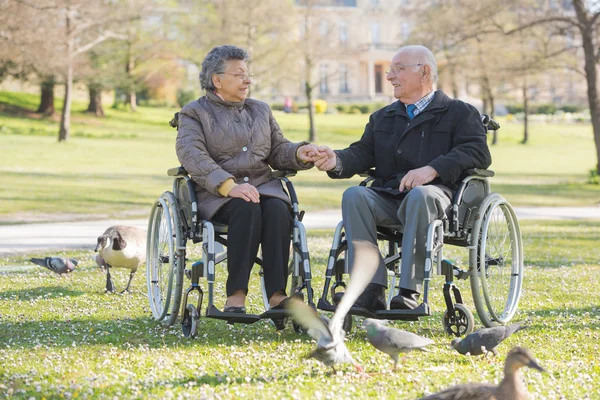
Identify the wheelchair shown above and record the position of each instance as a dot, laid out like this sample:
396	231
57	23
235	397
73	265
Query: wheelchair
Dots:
479	220
174	221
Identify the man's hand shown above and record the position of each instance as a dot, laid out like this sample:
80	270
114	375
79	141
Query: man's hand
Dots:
309	153
417	177
326	162
245	191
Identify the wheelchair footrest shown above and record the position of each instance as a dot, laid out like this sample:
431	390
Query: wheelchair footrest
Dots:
279	313
422	310
241	318
325	305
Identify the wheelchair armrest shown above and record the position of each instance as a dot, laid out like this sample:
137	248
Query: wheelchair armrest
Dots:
487	173
174	122
284	173
368	173
178	171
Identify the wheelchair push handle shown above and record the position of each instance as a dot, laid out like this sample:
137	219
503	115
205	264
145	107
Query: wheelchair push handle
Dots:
489	123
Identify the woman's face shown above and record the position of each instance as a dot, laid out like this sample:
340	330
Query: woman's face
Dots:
232	84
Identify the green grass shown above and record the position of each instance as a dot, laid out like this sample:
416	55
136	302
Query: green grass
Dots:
116	166
62	337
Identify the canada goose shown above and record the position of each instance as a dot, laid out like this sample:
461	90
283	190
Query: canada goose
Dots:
510	388
121	247
58	265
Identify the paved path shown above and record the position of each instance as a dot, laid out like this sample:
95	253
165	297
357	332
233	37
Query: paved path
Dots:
82	235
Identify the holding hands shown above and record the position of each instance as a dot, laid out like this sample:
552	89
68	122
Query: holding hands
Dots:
323	157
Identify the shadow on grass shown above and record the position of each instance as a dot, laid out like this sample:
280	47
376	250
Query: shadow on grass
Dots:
47	292
126	333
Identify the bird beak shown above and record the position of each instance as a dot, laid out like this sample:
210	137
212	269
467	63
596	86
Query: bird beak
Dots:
533	364
97	247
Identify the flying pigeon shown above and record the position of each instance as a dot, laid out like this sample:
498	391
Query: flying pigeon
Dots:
511	387
56	264
121	246
329	335
393	341
484	340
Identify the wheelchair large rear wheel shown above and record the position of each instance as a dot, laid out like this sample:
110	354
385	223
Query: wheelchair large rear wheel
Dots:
496	261
165	259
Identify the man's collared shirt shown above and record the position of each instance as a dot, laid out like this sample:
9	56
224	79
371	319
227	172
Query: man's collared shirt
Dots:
423	103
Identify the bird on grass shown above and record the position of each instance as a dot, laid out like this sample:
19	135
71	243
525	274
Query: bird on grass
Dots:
393	341
484	340
58	265
329	334
510	388
121	246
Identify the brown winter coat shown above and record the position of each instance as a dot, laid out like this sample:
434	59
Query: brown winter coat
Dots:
217	140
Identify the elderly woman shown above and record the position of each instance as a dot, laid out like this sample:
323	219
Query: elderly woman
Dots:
228	143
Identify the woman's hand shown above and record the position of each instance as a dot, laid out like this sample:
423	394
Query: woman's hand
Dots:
309	153
245	191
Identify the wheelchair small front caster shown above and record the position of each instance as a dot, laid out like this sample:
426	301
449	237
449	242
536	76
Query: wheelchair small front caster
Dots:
461	323
189	324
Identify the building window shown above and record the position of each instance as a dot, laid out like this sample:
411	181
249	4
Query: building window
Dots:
323	84
344	88
375	32
323	28
405	30
343	32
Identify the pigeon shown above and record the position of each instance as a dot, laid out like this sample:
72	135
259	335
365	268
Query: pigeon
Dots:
56	264
511	387
393	341
121	246
484	340
329	334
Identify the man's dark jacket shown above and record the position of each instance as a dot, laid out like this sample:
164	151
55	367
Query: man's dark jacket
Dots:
448	136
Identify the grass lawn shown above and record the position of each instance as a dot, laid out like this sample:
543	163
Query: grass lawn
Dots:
116	166
62	337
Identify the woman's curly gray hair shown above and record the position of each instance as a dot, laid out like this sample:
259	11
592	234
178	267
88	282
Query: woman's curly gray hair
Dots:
214	63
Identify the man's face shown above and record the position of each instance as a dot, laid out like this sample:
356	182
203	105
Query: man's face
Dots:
407	78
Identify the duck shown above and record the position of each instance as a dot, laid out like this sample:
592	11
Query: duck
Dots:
121	246
510	388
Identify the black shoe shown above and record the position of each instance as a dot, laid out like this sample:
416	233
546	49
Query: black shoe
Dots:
406	300
372	299
237	310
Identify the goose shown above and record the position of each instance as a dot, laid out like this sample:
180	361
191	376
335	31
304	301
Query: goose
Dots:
121	246
510	388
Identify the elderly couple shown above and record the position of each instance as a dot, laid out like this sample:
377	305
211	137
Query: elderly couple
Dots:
418	145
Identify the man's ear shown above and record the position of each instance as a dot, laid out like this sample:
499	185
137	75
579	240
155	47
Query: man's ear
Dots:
426	71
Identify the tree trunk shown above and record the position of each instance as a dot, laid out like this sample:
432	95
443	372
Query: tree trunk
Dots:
453	82
47	98
95	105
525	115
312	133
589	52
131	98
65	119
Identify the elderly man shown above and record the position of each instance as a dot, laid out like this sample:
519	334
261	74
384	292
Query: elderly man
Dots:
419	146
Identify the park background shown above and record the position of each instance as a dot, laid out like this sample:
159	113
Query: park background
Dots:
87	91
